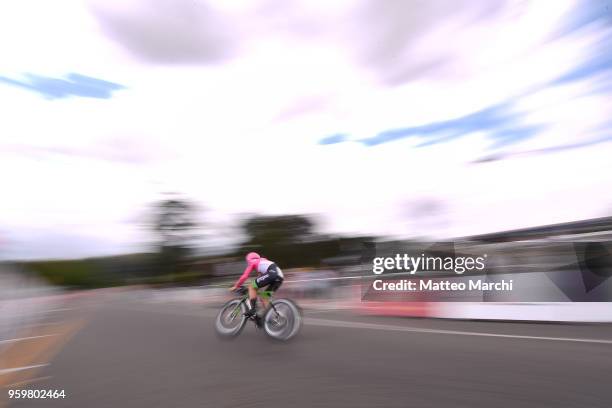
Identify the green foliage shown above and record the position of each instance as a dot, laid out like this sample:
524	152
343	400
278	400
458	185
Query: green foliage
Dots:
290	240
93	272
71	273
180	279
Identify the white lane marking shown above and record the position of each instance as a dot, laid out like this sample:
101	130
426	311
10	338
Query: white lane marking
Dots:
308	311
12	370
47	324
311	309
28	381
38	312
388	327
375	326
26	338
61	309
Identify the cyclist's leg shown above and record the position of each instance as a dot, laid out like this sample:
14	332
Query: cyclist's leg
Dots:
269	281
272	287
252	298
264	280
261	282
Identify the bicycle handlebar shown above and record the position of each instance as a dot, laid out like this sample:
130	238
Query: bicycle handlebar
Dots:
241	290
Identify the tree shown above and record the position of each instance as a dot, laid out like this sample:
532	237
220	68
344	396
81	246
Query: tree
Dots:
174	224
290	229
282	238
291	240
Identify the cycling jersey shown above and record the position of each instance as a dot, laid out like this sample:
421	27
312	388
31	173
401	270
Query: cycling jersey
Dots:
262	266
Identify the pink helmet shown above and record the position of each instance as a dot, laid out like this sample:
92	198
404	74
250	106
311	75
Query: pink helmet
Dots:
252	257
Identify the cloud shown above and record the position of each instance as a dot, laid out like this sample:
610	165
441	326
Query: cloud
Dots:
599	62
73	85
124	150
166	31
458	73
402	40
540	101
584	13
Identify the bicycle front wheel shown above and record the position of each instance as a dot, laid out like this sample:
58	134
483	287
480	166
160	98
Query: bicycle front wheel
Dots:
231	320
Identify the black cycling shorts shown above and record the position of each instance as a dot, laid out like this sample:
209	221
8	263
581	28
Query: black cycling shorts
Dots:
271	279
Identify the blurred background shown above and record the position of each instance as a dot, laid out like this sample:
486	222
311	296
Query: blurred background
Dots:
146	146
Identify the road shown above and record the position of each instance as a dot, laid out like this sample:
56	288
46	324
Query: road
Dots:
128	352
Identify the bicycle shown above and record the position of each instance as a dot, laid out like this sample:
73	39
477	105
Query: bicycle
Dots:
282	319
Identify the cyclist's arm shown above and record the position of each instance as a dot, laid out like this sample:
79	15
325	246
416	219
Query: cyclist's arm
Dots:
244	275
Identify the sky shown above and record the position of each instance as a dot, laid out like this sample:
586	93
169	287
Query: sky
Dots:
404	118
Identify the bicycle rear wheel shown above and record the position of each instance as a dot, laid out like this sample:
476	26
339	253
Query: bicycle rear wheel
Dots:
283	321
231	320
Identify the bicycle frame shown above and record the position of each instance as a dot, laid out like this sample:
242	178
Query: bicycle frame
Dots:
261	295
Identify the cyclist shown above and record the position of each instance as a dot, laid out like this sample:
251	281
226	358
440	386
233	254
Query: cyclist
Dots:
270	275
